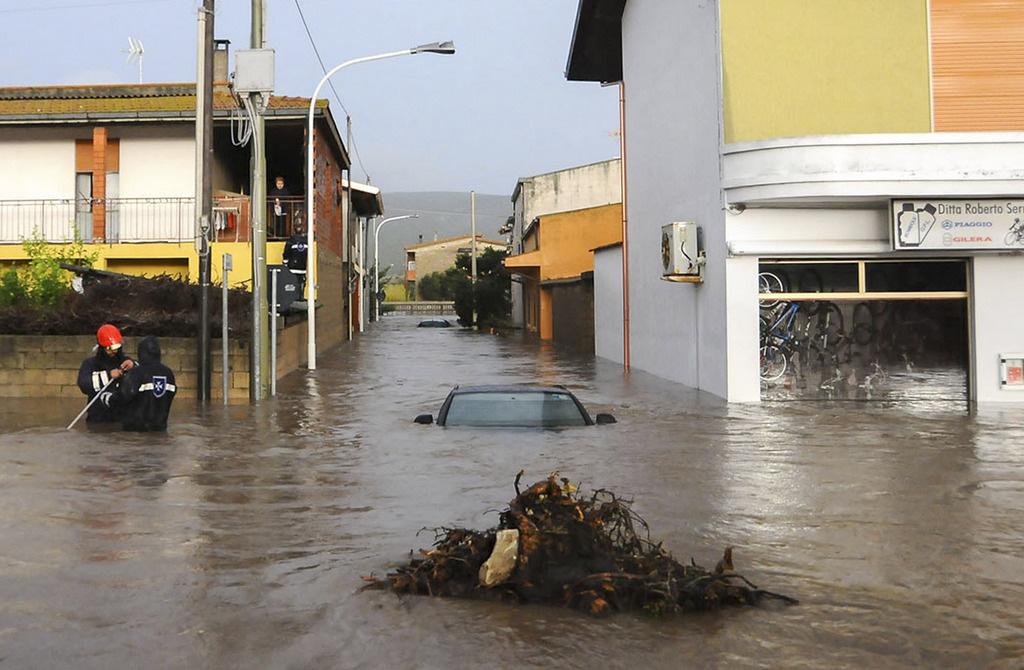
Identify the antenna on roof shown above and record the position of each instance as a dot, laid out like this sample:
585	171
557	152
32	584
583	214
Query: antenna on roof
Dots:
135	53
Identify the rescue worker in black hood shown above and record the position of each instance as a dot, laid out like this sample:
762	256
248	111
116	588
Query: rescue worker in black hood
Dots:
146	394
103	373
295	253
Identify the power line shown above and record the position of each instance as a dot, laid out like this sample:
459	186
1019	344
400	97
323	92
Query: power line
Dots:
330	83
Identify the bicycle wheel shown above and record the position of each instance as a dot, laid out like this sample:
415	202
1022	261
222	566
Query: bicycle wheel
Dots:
830	320
1012	237
810	281
863	332
768	283
773	363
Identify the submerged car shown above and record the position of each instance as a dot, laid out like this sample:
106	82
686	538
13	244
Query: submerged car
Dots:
435	323
513	406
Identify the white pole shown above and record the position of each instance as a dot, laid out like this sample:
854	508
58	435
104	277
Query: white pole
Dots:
311	273
376	255
225	368
273	333
362	274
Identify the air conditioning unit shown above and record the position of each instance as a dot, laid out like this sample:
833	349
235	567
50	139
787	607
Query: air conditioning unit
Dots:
680	249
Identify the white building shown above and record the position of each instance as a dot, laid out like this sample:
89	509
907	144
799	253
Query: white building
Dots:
568	190
774	128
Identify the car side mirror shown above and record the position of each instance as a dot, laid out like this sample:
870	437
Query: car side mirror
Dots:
428	419
604	419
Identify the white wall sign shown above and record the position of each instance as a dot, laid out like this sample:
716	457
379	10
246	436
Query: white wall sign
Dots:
958	225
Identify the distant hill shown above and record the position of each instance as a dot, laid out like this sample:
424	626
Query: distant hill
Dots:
442	214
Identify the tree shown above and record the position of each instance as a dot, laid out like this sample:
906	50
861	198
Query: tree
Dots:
493	294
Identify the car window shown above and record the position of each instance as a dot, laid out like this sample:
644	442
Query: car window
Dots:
507	409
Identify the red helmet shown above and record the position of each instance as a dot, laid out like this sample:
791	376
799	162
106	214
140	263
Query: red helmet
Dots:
109	337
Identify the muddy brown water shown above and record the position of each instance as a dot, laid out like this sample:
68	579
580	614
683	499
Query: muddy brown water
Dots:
240	537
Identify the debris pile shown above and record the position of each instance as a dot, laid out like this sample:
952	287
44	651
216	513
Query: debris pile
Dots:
553	545
163	306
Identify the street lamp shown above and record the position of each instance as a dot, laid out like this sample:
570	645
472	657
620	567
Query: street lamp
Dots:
446	48
376	260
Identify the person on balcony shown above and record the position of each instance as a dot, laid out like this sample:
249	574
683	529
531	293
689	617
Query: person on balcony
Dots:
145	396
102	373
280	214
295	250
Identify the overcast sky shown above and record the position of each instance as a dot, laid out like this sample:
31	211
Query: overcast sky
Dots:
497	110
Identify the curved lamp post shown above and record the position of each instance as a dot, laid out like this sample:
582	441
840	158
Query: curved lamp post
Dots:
446	48
376	260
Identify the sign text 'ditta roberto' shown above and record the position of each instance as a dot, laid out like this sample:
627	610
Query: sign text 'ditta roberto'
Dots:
958	225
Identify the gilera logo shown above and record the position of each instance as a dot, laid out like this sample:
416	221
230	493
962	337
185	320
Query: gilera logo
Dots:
949	239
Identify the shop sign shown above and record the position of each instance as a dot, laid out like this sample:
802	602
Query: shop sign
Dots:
958	225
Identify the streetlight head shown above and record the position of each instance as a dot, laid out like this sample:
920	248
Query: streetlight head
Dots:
447	48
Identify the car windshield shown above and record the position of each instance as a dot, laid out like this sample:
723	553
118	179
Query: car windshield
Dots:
529	409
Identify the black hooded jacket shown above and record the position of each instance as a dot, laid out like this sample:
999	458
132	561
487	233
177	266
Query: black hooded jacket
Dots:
147	391
93	375
295	253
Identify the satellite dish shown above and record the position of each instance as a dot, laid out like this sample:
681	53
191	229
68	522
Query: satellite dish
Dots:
135	52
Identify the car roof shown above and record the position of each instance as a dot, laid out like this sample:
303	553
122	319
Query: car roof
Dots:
510	388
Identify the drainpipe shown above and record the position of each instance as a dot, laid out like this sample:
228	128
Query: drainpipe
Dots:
625	228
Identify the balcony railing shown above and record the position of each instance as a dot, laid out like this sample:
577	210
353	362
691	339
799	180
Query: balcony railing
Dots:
140	219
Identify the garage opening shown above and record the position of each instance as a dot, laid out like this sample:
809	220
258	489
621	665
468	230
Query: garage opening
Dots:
863	329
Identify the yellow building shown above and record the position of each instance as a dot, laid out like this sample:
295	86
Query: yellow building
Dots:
577	210
114	167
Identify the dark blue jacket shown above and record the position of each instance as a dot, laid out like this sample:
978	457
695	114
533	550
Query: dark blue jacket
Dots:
147	391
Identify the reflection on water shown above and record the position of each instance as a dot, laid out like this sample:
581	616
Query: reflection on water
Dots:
243	533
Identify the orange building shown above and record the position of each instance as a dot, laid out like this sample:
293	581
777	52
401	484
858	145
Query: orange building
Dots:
556	271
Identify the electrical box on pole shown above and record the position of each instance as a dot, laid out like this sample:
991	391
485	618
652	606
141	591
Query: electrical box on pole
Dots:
254	71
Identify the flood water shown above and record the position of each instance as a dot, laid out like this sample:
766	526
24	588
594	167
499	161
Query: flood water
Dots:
239	539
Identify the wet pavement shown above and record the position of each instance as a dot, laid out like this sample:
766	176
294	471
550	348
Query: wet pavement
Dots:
240	537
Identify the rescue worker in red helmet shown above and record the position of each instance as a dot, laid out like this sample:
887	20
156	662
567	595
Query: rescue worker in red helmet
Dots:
107	365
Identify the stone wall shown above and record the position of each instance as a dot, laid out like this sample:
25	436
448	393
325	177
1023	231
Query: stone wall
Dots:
46	366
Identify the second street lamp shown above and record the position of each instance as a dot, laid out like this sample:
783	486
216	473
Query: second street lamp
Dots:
376	260
446	48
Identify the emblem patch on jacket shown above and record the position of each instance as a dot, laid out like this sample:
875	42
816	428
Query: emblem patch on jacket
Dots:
159	386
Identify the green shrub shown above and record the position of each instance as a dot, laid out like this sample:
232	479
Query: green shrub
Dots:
12	289
42	282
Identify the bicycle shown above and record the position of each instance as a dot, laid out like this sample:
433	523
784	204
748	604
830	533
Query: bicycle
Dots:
783	334
1016	233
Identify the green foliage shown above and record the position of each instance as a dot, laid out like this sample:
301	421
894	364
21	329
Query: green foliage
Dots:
12	290
440	285
43	282
394	292
493	295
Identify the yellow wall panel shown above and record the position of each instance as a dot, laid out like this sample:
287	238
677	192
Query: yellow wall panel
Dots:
566	240
978	64
819	67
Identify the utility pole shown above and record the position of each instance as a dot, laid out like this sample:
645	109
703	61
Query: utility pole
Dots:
204	187
259	349
472	246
